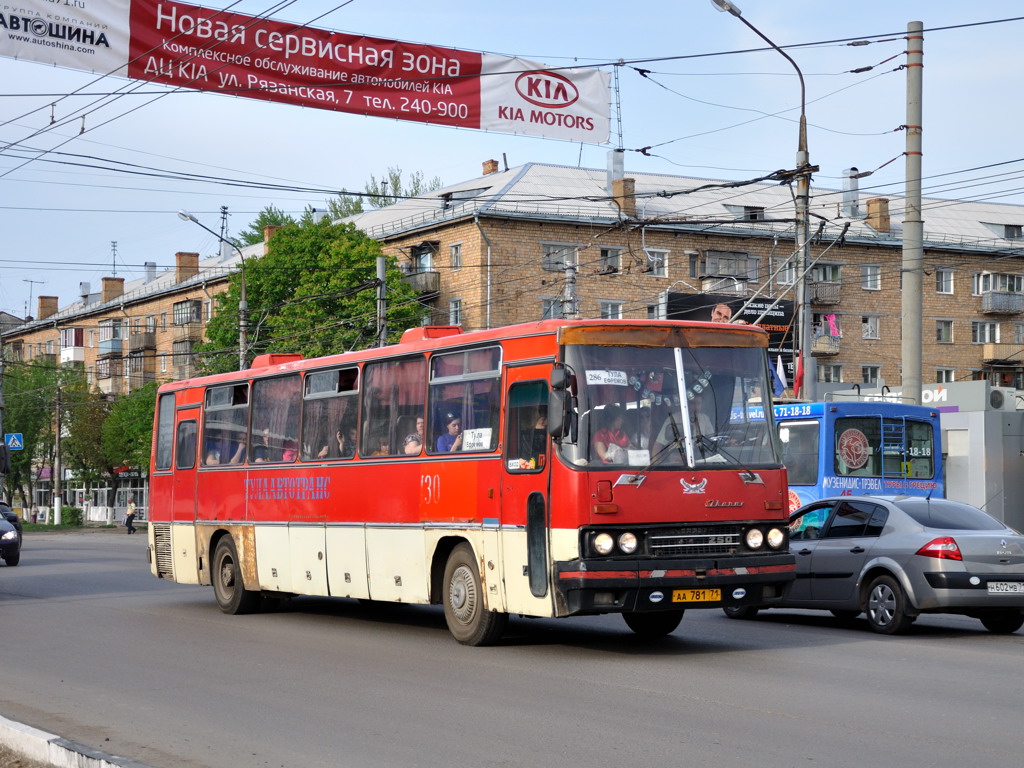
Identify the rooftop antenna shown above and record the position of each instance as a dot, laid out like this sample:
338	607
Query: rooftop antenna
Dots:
113	257
30	284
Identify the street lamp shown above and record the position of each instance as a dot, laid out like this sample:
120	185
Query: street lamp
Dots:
803	207
243	305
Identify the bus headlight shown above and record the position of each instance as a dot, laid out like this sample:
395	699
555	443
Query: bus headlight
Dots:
627	543
604	543
755	538
776	538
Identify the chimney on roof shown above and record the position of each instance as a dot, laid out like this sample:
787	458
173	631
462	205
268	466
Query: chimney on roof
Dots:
490	166
878	214
112	288
268	232
624	195
150	271
47	306
616	168
851	194
186	266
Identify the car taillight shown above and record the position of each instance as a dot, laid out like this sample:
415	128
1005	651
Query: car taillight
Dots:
944	548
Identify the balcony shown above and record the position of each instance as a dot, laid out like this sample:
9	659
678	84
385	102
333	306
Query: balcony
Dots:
825	346
140	341
111	386
72	355
824	293
191	331
999	353
110	347
1002	303
426	284
185	371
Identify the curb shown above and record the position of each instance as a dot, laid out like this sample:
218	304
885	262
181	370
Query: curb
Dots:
49	748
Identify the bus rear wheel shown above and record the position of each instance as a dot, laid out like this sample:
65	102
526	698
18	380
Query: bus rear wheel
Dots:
652	625
468	620
232	596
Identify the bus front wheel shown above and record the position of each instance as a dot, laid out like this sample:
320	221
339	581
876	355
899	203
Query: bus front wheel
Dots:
656	624
232	596
468	620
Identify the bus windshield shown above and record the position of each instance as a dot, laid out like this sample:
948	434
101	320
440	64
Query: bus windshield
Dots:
666	407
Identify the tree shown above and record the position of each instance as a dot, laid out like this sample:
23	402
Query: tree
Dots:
30	391
127	435
271	216
389	189
314	292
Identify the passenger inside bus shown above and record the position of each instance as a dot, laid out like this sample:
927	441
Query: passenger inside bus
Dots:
222	450
451	439
610	441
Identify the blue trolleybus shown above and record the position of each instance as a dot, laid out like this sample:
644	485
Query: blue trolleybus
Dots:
847	447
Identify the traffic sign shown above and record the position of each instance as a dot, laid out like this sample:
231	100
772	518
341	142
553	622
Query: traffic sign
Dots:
14	441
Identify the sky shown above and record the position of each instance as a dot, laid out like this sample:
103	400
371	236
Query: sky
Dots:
696	86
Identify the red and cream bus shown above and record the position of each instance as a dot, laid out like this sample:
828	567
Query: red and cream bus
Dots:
424	472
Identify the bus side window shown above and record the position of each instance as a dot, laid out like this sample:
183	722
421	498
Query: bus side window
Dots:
185	448
526	439
392	399
275	419
465	387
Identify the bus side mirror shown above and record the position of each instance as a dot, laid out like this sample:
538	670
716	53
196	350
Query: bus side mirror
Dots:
559	378
558	411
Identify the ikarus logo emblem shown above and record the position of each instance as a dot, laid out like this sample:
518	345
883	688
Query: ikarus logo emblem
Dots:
547	89
693	487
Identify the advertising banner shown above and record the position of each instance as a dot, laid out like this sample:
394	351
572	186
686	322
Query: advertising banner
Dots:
204	49
720	307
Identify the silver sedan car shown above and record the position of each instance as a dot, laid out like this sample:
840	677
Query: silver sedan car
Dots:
896	557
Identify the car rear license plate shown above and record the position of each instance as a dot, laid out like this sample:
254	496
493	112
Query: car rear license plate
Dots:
1008	587
696	595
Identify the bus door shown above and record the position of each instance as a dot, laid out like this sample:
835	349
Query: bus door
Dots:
525	503
186	439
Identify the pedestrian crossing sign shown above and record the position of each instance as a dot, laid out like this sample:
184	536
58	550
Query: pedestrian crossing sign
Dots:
14	441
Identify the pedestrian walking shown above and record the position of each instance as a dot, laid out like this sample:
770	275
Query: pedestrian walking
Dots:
129	516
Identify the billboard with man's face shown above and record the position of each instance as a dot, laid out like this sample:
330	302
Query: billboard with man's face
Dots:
725	308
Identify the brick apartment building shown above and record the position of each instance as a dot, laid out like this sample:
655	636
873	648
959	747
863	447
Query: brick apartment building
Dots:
494	250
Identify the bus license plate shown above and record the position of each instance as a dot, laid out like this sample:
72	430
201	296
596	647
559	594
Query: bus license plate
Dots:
696	595
1010	587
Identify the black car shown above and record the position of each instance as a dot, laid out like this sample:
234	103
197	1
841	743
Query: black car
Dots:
10	543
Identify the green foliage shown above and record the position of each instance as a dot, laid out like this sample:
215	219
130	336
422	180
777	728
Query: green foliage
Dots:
271	216
127	434
83	413
313	292
391	188
71	516
30	391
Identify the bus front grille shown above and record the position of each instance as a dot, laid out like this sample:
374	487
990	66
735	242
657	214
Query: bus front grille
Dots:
697	541
162	550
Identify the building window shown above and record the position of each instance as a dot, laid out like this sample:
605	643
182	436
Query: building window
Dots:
150	323
654	312
163	363
943	280
826	324
657	262
186	312
826	273
985	282
830	373
984	333
611	260
455	256
455	312
871	277
92	337
49	346
944	375
944	331
163	321
207	310
110	329
786	272
869	327
611	310
1013	231
556	257
71	337
550	308
1018	333
182	353
869	374
422	256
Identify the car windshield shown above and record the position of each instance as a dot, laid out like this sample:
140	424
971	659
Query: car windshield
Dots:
663	407
944	514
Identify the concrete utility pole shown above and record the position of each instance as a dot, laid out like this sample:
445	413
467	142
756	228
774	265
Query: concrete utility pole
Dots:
382	303
913	224
58	502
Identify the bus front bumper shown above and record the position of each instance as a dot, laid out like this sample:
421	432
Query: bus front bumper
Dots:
613	586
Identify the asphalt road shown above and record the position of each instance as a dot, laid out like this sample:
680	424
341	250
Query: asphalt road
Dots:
99	651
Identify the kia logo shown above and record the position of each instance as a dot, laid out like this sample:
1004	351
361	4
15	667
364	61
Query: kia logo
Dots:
547	89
